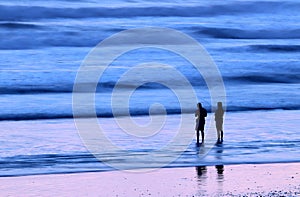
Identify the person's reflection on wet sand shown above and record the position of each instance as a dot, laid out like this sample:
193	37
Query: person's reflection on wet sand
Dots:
201	170
205	178
201	179
220	169
219	152
220	178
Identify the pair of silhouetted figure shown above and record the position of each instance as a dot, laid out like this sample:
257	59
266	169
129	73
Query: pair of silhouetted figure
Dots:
200	115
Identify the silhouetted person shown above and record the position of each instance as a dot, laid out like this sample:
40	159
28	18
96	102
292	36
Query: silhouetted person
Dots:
219	121
200	115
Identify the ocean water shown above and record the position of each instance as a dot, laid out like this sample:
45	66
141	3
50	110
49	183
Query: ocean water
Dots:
255	44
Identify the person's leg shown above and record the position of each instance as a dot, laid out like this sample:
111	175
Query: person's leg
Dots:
221	135
202	135
197	136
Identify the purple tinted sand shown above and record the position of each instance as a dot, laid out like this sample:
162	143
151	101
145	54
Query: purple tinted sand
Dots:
231	180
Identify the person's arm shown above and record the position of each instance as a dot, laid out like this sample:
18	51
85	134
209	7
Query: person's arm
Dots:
197	113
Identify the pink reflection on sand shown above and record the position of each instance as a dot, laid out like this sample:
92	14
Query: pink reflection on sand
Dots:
250	180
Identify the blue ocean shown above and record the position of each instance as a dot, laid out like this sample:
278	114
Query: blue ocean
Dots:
255	45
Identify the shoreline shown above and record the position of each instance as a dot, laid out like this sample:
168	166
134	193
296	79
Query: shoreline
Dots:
273	179
134	170
54	146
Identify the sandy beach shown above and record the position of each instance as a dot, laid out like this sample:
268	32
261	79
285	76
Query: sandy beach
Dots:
230	180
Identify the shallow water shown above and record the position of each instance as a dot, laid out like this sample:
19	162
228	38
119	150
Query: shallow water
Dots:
54	146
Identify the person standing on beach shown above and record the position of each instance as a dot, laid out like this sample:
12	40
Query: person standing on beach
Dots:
200	115
219	113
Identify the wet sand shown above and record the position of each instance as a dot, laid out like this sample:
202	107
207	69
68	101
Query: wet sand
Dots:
230	180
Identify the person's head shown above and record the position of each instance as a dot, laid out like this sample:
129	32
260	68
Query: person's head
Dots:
219	104
199	105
